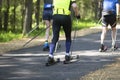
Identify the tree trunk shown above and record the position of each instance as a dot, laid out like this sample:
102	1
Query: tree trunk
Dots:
37	12
28	16
96	10
6	16
0	15
22	13
100	8
14	17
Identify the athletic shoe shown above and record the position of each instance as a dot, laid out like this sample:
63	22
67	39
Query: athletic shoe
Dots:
46	46
114	47
51	60
103	48
67	58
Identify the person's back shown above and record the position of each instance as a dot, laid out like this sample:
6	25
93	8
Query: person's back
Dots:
48	4
110	6
62	7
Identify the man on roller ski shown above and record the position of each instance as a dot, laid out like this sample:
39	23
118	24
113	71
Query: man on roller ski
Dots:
47	17
61	17
110	14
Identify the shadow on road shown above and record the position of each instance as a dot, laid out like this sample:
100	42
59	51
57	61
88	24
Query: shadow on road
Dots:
31	65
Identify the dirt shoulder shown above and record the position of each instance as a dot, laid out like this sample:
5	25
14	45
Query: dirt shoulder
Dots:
109	72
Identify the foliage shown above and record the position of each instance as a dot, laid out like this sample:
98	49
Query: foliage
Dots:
13	12
81	24
8	36
5	37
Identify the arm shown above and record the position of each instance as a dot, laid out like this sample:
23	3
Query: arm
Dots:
117	9
75	9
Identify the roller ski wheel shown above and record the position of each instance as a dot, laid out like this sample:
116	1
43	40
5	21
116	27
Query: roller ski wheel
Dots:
77	57
72	59
53	62
66	62
49	64
103	48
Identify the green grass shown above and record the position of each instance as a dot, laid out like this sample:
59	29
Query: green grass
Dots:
80	24
8	36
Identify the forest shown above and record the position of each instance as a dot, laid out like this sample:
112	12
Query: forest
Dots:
20	16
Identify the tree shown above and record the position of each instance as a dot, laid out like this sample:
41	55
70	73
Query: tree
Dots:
14	14
37	12
22	13
0	15
17	14
28	16
6	15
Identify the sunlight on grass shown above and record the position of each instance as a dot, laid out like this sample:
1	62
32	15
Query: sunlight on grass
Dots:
80	24
8	36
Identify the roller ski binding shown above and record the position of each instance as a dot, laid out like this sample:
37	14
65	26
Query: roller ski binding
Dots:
67	59
113	48
103	48
51	61
71	59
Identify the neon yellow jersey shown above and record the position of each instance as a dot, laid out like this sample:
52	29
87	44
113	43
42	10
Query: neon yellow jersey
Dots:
62	7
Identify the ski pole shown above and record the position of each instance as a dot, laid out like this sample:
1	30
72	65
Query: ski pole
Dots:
32	30
115	23
99	20
57	45
34	37
74	36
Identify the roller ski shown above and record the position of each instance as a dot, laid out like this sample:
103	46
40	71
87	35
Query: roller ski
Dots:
113	48
103	48
69	59
51	61
46	46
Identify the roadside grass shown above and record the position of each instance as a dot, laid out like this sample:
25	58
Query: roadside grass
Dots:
80	24
8	36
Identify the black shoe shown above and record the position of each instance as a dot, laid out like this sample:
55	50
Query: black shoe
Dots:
51	60
115	47
67	58
46	48
103	48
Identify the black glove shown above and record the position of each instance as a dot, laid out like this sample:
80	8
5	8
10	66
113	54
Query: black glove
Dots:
78	16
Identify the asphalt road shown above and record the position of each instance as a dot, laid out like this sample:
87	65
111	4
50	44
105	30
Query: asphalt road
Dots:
29	63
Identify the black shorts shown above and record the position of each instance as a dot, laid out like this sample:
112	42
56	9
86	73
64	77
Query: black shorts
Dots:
109	19
47	14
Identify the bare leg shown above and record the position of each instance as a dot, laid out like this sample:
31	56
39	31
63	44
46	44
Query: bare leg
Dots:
104	31
47	34
113	35
103	35
48	24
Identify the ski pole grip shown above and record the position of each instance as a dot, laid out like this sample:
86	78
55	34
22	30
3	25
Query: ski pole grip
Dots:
78	16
